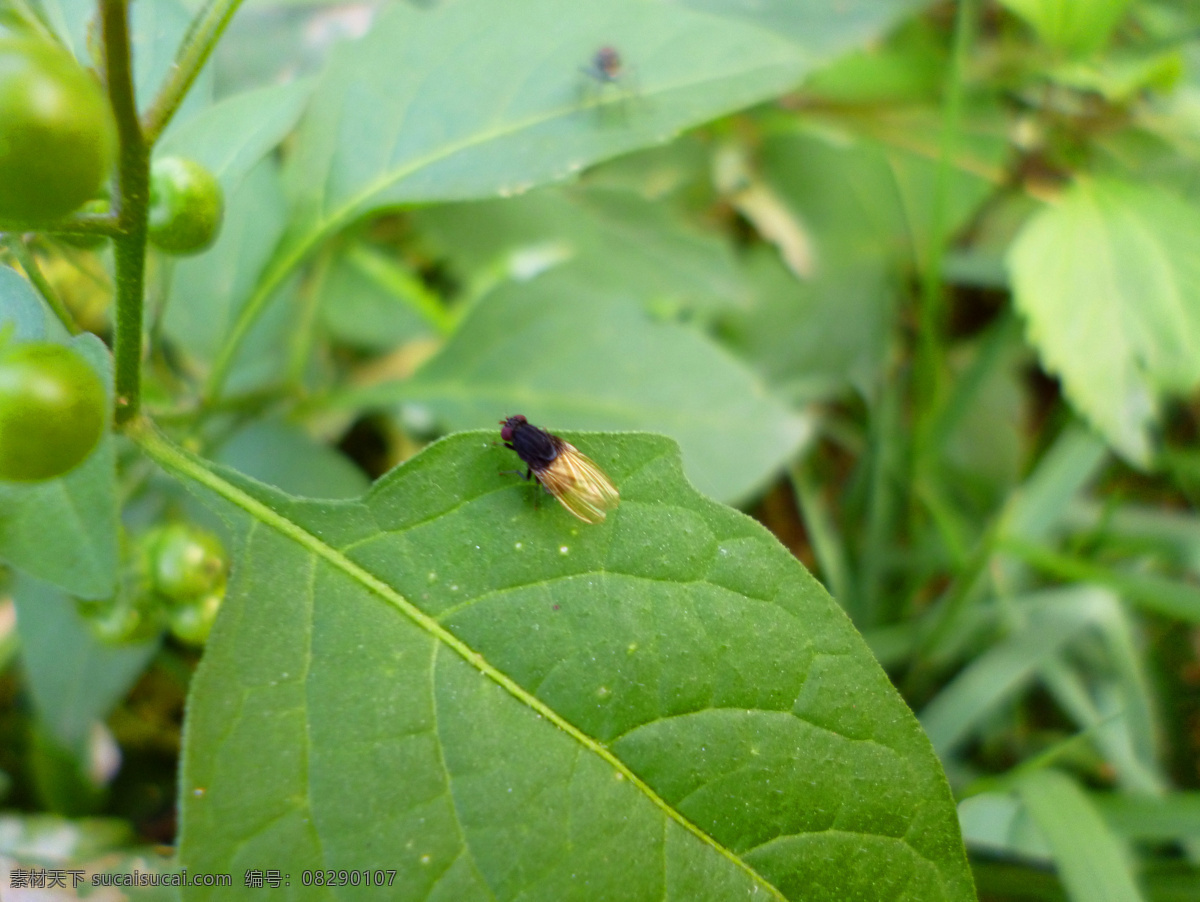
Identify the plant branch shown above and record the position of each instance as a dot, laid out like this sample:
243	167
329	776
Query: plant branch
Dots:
193	53
131	204
104	224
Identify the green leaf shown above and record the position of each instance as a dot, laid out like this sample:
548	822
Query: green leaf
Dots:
819	337
662	258
1168	819
998	823
995	676
369	299
229	138
23	311
74	678
1171	597
875	197
507	703
1092	863
1109	281
1069	25
63	530
284	456
156	30
485	105
1063	474
569	354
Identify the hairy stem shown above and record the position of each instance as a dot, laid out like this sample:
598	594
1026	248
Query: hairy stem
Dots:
131	205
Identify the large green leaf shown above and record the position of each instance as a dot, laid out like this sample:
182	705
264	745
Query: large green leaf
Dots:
62	530
496	701
471	99
474	99
570	354
1109	280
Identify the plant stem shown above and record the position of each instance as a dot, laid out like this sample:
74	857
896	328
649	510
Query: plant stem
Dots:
35	275
80	224
928	373
132	205
193	53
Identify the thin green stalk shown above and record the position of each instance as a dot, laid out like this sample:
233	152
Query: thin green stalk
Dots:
35	275
402	285
885	473
190	58
948	612
827	545
270	282
929	364
85	224
304	335
132	206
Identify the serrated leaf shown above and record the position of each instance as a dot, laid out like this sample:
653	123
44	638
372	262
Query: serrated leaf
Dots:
499	702
63	530
1109	281
567	354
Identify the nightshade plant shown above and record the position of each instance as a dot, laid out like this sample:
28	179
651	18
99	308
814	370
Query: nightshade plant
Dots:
441	219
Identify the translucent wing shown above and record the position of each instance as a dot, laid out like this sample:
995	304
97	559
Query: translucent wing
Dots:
579	485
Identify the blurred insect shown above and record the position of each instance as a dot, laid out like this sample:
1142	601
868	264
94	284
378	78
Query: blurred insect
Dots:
605	67
579	485
607	75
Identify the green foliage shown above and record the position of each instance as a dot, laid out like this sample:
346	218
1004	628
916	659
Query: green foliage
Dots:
1110	286
673	670
914	283
1070	26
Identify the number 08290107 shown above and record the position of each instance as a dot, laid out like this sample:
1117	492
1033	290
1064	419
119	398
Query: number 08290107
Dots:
358	877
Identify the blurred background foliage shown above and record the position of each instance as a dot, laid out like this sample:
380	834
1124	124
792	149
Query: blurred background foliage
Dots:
931	314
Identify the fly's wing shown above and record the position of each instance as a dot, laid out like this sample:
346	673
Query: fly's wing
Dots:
579	485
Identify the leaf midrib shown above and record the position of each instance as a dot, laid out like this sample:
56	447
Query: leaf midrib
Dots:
185	466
